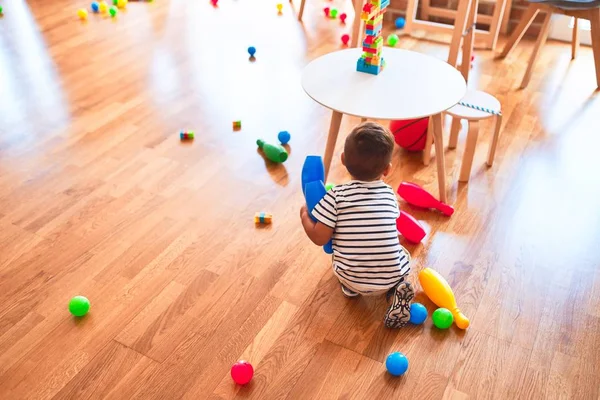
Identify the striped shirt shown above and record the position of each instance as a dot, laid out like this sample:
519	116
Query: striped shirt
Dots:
367	255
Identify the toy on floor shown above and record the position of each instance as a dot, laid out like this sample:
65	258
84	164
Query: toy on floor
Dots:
279	8
79	306
313	175
417	196
1	10
333	13
392	40
345	39
214	3
82	14
252	51
95	6
103	6
418	313
284	137
121	3
113	11
410	134
326	11
329	186
400	22
439	291
237	125
396	364
442	318
263	218
186	135
343	17
274	152
371	61
410	228
242	372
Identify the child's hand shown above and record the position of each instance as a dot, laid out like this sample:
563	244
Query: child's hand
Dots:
303	211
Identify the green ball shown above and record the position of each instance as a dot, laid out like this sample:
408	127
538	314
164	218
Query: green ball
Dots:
329	186
333	13
79	306
392	40
115	2
1	10
113	11
442	318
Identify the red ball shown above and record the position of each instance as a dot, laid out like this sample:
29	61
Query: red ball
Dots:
242	372
326	11
410	134
214	2
345	38
343	17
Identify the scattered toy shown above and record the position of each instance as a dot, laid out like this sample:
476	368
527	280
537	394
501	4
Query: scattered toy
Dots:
186	135
417	196
242	372
252	51
263	218
79	306
442	318
396	364
418	313
284	137
274	152
439	291
82	14
345	39
392	40
237	125
343	17
400	22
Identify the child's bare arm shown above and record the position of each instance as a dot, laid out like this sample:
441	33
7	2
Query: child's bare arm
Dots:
317	232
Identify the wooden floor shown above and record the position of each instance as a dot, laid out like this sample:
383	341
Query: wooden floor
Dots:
98	197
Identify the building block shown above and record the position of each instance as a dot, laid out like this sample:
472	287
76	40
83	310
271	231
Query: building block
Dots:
237	125
263	218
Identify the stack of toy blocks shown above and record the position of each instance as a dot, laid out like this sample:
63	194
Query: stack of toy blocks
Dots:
371	61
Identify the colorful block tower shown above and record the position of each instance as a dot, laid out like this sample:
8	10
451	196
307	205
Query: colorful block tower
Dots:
371	61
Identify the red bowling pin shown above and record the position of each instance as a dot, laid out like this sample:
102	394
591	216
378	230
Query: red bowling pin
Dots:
410	228
417	196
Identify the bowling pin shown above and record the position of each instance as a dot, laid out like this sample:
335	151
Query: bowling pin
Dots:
417	196
410	228
439	291
312	170
314	192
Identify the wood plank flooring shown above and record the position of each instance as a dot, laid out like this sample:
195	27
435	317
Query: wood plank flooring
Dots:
99	197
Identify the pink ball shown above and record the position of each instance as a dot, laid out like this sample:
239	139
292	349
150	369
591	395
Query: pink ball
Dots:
345	38
242	372
410	134
343	17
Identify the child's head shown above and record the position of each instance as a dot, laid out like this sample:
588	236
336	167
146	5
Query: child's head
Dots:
368	152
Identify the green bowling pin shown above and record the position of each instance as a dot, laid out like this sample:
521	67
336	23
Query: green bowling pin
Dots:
274	152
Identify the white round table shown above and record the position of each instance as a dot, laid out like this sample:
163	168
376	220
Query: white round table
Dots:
412	85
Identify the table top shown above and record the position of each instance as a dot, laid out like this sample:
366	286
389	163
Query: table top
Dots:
412	85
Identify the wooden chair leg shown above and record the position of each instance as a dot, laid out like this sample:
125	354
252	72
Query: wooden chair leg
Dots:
499	10
468	41
575	41
595	25
506	17
438	141
411	14
460	25
526	20
356	25
428	143
467	161
494	143
541	40
334	129
301	10
425	4
454	130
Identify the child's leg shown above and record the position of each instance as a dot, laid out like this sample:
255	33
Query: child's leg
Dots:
398	314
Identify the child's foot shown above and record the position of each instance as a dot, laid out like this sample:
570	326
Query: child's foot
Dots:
347	292
398	314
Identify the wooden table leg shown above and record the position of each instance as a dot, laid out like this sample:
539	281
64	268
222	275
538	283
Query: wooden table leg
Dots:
438	142
526	20
595	25
301	11
428	143
334	129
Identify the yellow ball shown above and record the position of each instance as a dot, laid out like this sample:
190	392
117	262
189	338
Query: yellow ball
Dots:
279	7
103	7
82	14
122	3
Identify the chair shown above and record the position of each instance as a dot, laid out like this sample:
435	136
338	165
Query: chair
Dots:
579	9
355	25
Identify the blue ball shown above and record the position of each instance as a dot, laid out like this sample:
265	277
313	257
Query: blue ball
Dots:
418	313
400	22
284	137
396	363
95	6
251	51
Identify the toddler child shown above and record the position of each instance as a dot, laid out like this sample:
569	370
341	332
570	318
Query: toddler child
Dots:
360	216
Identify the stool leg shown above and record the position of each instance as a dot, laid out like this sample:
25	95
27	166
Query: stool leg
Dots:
575	41
454	129
428	143
301	11
494	143
467	161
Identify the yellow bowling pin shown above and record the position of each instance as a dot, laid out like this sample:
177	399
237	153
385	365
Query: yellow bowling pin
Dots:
439	291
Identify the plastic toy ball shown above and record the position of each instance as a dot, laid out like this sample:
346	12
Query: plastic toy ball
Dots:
326	11
329	186
122	3
333	13
396	364
279	7
113	11
115	2
343	17
1	10
103	6
252	51
79	306
95	6
392	40
345	39
442	318
242	372
418	313
214	2
284	137
400	22
82	14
